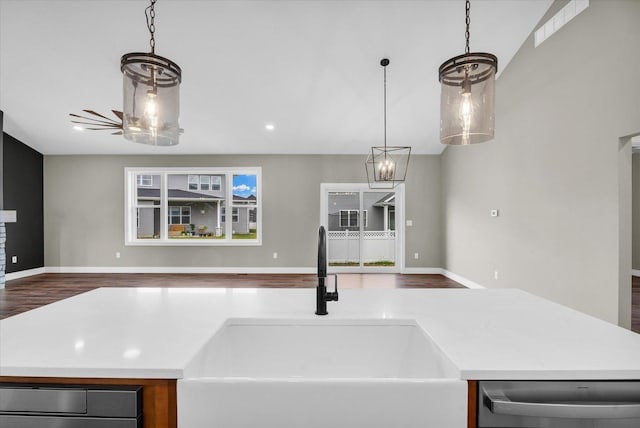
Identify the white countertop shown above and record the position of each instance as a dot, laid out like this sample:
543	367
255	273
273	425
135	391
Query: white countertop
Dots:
155	332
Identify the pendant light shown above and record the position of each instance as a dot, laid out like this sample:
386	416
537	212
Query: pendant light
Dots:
467	98
387	165
151	94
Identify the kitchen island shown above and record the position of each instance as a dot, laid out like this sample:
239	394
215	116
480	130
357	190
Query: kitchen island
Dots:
148	336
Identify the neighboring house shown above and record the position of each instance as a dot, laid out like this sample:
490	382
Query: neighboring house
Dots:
192	199
378	213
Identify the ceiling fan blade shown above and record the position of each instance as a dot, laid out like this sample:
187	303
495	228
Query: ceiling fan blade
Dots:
118	114
95	113
117	133
106	125
98	129
96	121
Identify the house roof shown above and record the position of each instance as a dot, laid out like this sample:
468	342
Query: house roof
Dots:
176	195
387	200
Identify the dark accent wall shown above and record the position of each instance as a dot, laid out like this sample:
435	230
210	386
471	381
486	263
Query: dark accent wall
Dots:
1	161
22	190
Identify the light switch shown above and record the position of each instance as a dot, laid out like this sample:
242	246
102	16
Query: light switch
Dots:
495	213
409	223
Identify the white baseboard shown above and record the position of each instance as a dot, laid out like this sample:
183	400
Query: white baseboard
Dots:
462	280
422	271
635	272
24	273
177	269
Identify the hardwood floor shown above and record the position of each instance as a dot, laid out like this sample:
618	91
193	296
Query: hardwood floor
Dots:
21	295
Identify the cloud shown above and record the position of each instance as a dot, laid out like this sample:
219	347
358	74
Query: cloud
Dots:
242	188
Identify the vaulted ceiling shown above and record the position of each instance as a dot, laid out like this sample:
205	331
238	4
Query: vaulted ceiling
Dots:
309	67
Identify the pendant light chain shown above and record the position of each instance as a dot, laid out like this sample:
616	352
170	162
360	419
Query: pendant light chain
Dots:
385	111
466	34
150	14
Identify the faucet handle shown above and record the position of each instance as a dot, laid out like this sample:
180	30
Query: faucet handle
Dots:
333	295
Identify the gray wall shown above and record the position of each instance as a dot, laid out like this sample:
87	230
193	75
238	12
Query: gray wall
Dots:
553	168
84	211
636	211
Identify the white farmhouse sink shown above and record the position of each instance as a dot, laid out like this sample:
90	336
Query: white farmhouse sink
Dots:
318	373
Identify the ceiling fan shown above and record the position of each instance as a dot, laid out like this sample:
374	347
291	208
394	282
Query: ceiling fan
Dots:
99	122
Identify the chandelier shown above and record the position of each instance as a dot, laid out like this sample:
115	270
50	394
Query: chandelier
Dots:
387	165
467	97
151	94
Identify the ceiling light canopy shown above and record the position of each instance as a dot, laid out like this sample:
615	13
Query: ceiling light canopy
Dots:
387	165
467	98
151	94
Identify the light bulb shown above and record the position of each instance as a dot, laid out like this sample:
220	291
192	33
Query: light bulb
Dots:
466	110
386	170
151	109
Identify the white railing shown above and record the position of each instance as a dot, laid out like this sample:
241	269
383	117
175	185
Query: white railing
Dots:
377	245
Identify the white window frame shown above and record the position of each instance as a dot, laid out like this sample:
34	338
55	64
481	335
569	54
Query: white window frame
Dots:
326	188
141	178
131	205
216	183
349	216
181	215
197	181
205	180
235	215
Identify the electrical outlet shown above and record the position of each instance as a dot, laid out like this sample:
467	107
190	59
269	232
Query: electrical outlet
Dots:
416	256
495	274
117	254
409	223
14	259
275	255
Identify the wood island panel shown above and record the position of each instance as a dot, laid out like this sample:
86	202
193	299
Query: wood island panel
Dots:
159	405
472	404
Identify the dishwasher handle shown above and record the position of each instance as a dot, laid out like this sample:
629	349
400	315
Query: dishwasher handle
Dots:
500	404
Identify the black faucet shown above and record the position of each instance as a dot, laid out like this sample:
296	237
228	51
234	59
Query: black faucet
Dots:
322	295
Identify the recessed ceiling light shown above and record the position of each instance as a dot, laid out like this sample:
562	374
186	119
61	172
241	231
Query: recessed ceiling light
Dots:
78	128
269	127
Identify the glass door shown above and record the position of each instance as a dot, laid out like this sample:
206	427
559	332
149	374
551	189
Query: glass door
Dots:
361	228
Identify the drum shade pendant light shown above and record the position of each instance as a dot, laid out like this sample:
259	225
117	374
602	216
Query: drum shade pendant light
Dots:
387	165
151	94
467	98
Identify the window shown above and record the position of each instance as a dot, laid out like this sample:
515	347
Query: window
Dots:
234	215
144	180
179	215
216	183
193	182
205	182
349	218
186	206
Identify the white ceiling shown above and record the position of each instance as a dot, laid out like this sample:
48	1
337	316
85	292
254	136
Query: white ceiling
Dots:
311	67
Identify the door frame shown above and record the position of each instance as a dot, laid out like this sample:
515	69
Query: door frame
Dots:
325	188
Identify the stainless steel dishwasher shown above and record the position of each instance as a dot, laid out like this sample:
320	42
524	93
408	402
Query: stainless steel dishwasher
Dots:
70	406
559	404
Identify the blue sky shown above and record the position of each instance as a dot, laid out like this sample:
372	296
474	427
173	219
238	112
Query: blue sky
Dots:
244	185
